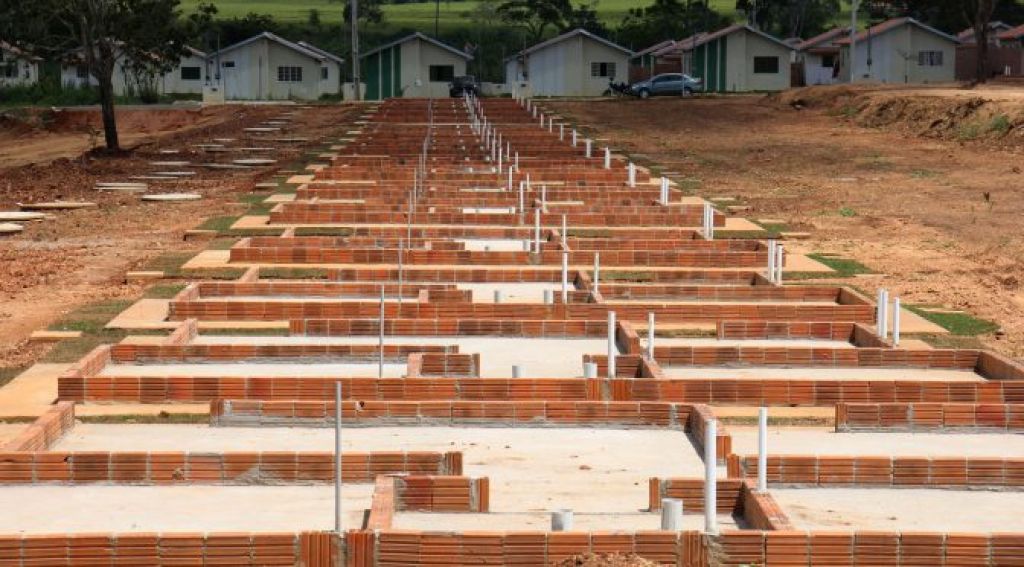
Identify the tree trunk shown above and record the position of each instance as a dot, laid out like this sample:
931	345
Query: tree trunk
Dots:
106	88
980	24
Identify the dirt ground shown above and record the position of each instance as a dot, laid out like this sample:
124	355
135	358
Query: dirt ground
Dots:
921	185
80	257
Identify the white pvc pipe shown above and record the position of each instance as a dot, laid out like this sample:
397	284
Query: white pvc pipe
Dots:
664	190
762	450
380	342
561	132
650	335
631	170
590	370
779	253
536	231
565	235
896	322
710	478
517	371
517	161
671	514
607	158
771	261
597	270
612	349
337	457
510	174
549	296
497	296
883	329
561	521
588	144
574	137
565	277
544	197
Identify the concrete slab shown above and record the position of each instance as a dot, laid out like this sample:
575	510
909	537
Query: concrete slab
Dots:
825	441
171	197
9	431
209	259
293	367
46	336
278	198
32	392
253	221
144	314
740	223
97	508
541	521
56	206
10	228
902	510
20	216
821	373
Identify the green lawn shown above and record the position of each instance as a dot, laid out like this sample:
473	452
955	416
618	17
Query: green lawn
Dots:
417	16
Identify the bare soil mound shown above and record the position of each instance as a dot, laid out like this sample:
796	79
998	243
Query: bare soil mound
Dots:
606	560
949	114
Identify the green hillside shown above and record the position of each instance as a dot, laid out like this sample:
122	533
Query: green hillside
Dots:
418	16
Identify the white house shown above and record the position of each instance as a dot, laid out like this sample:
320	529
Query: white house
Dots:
901	50
819	57
576	63
413	66
269	67
995	28
737	58
17	68
187	77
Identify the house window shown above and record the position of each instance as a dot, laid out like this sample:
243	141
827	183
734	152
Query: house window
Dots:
929	58
442	73
228	64
9	71
828	61
82	72
602	70
323	73
289	74
766	65
190	73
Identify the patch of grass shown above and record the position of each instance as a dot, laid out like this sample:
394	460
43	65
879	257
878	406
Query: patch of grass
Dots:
689	185
744	234
170	263
221	243
968	132
213	273
1000	124
163	291
323	231
683	333
959	324
220	224
293	273
845	267
952	341
7	373
162	417
247	332
923	173
588	233
90	319
847	212
627	276
779	421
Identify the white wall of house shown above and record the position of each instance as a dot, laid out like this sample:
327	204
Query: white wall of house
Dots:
268	70
742	73
124	79
575	66
417	56
188	77
907	54
17	70
818	69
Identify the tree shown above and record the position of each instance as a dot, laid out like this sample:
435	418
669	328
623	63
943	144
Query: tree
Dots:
585	17
536	16
148	34
370	11
667	19
789	18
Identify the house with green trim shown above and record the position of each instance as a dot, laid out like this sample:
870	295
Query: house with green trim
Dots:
739	58
410	67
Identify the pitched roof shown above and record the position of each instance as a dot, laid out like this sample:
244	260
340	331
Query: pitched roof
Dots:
1013	33
893	24
325	53
679	45
967	35
276	39
656	47
829	36
21	53
707	38
573	33
421	37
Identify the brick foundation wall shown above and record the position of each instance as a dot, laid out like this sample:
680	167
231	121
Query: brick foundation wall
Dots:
269	467
929	417
907	472
44	431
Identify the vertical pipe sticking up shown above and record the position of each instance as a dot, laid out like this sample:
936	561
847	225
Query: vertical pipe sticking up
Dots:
565	237
607	158
631	172
337	457
536	231
896	322
400	272
779	253
565	277
771	261
380	342
517	163
517	371
597	270
544	197
879	307
612	349
710	478
561	132
588	143
650	335
509	188
884	329
574	137
664	191
671	514
762	450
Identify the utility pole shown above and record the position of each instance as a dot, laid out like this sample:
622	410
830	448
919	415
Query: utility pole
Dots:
355	49
854	7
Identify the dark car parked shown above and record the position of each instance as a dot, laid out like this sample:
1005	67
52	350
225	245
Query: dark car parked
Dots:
464	84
